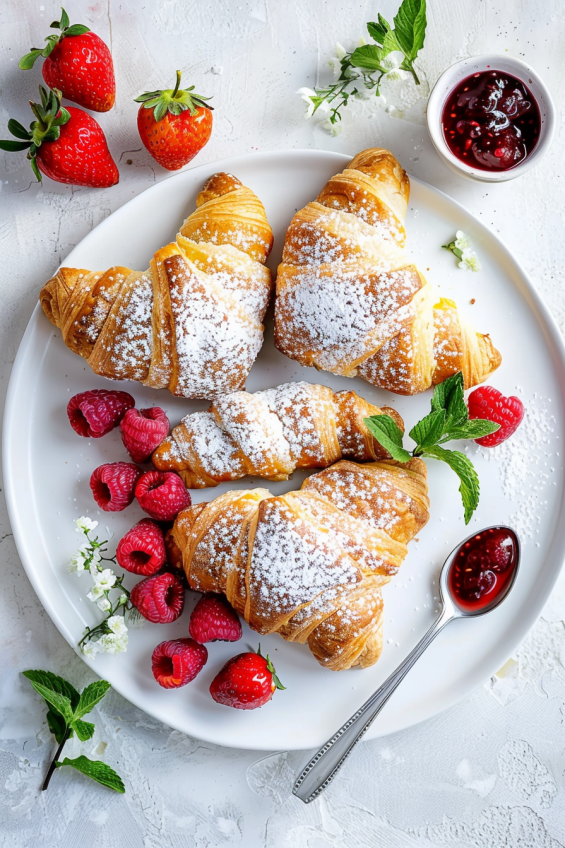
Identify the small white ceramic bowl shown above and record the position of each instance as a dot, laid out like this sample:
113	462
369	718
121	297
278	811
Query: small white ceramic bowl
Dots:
450	79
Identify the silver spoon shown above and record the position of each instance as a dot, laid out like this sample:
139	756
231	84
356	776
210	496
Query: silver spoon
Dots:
324	765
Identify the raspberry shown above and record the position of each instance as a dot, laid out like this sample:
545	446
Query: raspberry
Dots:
177	662
159	599
162	494
142	549
93	414
113	485
488	403
213	619
143	430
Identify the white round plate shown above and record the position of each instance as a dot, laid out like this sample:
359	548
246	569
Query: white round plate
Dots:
48	468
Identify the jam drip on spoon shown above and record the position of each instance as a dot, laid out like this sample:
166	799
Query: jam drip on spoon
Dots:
483	567
491	121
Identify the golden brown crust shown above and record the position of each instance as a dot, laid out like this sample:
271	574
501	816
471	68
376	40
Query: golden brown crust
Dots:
309	565
270	434
347	300
192	322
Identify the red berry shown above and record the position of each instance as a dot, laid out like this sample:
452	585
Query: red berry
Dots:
174	125
80	155
81	67
177	662
159	599
246	682
142	549
488	403
93	414
143	430
78	63
113	485
162	494
213	619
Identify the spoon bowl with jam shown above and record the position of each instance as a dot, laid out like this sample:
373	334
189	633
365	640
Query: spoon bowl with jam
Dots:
475	578
491	118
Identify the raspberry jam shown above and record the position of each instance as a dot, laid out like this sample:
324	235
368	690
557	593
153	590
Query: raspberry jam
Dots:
491	121
483	568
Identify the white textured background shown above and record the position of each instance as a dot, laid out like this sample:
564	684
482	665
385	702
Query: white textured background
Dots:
489	773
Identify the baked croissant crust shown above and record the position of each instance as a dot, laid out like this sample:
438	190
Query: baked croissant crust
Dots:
270	434
309	565
192	322
350	302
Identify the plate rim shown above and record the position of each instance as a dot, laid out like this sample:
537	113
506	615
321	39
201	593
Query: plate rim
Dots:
555	345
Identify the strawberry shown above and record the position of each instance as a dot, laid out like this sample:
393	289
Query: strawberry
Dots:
78	63
174	124
67	145
487	402
246	682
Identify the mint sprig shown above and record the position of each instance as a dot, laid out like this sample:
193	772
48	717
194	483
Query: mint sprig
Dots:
367	65
448	420
67	707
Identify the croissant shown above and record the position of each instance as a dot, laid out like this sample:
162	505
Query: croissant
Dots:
349	301
192	323
309	565
270	434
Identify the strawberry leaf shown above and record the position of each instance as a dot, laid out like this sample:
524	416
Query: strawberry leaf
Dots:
27	62
76	29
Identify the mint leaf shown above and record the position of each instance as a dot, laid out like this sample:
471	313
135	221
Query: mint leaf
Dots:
450	395
97	770
410	27
463	467
475	428
378	31
389	435
369	57
61	703
57	725
83	729
429	430
90	696
54	682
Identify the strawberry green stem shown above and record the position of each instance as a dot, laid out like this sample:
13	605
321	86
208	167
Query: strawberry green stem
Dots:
177	86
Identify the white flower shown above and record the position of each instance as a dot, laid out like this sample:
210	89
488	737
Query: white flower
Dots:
104	579
307	94
462	242
391	64
84	524
361	42
117	625
335	65
123	599
95	593
332	129
95	557
77	562
340	50
112	644
104	604
90	649
469	261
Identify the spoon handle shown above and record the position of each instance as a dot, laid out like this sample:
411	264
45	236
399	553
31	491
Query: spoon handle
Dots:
324	765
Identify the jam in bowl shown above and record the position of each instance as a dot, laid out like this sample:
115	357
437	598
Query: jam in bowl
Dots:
491	120
483	569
